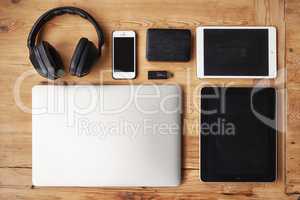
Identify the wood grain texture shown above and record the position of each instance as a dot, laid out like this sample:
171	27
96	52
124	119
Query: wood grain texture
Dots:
292	43
293	86
293	141
16	19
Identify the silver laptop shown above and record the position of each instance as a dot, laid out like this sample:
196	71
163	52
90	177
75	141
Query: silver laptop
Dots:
106	135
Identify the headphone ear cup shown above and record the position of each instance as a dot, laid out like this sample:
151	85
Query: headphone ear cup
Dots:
47	61
85	55
38	63
55	58
76	55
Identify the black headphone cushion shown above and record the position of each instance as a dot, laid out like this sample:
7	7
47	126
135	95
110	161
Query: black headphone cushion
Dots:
47	61
85	55
37	62
54	57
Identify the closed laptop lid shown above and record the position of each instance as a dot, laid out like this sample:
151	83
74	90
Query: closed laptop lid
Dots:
106	135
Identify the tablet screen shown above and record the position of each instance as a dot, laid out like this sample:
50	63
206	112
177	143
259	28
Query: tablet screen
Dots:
236	52
237	142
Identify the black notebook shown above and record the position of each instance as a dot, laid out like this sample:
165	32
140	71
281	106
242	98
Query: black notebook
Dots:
238	134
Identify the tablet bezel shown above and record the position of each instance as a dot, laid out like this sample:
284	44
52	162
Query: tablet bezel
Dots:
272	51
202	177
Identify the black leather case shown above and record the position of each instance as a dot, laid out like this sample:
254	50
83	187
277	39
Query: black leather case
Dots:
168	45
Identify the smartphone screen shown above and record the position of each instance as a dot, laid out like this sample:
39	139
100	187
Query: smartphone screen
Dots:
124	54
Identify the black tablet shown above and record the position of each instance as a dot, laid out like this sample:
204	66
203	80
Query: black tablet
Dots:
238	134
236	52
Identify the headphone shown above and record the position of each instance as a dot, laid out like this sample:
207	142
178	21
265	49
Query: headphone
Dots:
47	61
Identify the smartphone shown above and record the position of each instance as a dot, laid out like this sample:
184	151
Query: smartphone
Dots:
124	55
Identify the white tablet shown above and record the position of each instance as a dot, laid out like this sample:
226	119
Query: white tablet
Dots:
236	52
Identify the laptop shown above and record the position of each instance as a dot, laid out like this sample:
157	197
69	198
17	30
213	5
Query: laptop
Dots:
112	135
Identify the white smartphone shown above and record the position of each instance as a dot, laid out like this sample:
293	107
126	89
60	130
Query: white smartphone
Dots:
236	52
124	55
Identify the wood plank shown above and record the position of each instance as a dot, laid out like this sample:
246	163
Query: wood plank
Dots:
191	187
293	141
293	43
128	194
16	18
15	177
293	86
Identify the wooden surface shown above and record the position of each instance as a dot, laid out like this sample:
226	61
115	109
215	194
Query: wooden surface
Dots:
293	86
16	19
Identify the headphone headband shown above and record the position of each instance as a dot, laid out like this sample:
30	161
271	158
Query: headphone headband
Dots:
61	11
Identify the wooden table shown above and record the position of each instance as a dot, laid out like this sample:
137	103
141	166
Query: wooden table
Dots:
16	19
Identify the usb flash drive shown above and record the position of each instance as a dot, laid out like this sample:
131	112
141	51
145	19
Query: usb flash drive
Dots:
159	75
